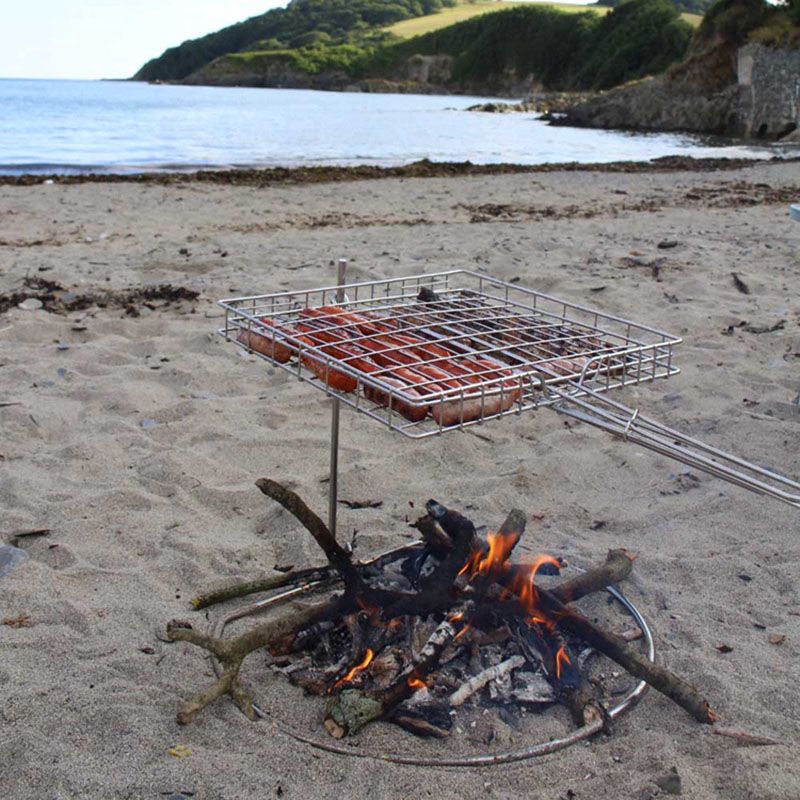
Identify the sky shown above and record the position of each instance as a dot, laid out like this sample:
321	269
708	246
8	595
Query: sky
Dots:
106	38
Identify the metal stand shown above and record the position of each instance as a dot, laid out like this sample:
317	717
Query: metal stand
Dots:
333	484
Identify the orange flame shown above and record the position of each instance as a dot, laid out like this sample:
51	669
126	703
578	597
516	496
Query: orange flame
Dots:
471	567
464	630
561	659
416	684
524	587
358	668
500	547
495	562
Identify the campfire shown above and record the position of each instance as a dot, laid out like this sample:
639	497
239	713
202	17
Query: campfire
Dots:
427	633
412	636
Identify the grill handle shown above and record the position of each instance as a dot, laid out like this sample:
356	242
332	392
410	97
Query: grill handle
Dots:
593	408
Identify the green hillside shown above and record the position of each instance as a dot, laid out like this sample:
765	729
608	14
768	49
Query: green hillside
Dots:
315	35
301	23
563	50
466	9
462	11
689	7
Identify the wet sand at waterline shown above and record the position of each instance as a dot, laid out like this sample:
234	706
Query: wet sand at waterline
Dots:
135	436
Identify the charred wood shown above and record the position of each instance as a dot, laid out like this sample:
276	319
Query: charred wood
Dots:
613	646
477	682
352	709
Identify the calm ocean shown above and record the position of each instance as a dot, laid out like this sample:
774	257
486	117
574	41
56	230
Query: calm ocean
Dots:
91	126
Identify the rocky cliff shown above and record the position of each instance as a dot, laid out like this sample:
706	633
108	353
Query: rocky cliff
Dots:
418	74
763	101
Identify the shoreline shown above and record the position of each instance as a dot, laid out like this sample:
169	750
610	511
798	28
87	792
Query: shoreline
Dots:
254	176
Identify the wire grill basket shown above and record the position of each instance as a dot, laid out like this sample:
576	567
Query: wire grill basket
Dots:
427	354
433	353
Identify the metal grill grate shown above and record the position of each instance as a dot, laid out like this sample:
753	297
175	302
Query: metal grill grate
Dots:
432	353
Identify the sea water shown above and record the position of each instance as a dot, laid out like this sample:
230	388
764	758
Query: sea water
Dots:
118	126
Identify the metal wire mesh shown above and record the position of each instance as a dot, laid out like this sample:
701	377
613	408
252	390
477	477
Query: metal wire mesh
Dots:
430	353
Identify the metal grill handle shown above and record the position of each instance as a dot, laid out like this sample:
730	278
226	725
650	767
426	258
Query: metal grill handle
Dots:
628	424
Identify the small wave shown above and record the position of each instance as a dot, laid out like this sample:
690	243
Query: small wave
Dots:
103	169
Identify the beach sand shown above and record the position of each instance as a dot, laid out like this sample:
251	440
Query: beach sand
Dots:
137	441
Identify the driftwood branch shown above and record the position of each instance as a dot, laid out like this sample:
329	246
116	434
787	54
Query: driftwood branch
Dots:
436	540
745	739
338	557
245	588
617	567
617	649
513	526
231	653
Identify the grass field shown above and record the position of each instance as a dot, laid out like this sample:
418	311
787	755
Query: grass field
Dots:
449	16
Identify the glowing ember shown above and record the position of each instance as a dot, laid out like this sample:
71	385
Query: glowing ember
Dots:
358	668
366	607
416	684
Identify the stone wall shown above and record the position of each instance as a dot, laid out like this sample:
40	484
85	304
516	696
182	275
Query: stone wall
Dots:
764	103
769	91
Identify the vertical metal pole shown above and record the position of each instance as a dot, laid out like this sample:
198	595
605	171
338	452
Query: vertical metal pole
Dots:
333	484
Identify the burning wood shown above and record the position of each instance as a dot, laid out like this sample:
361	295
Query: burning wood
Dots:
475	684
484	621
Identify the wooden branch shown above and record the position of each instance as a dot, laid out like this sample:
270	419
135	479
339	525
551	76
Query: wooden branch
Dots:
301	576
617	567
613	646
436	540
583	704
260	585
745	739
514	526
462	532
231	653
477	682
335	553
618	563
440	543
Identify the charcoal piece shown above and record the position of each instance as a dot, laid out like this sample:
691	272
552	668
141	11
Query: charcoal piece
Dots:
427	295
412	566
433	713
